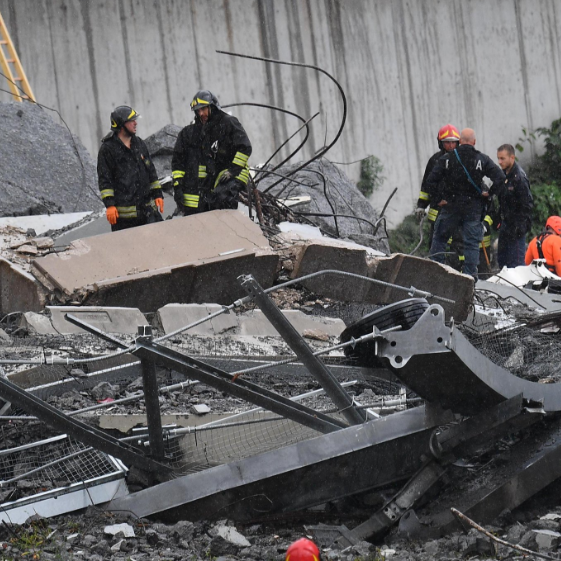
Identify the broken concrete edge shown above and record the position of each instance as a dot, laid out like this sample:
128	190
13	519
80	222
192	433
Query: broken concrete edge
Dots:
407	271
172	317
19	291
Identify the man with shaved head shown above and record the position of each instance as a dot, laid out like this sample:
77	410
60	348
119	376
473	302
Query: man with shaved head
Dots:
464	198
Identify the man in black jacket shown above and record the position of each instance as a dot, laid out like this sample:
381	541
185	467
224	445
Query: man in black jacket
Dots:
209	164
515	208
448	138
128	181
464	198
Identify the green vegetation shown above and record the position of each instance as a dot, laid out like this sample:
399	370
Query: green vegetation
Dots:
406	236
545	173
370	175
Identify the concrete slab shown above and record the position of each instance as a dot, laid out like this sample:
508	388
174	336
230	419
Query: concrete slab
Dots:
44	222
424	274
19	291
256	324
190	259
310	256
107	319
175	316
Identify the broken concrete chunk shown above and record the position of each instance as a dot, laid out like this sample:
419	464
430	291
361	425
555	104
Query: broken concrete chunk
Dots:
27	249
107	319
405	271
315	334
38	324
547	540
232	536
175	316
126	529
200	409
19	291
189	259
43	243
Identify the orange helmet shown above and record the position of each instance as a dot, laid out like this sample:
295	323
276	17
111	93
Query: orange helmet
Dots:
554	222
302	550
448	133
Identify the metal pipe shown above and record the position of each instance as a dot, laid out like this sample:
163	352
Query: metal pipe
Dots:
296	342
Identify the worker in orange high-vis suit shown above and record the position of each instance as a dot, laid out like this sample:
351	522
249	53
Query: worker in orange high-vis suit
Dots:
448	138
210	159
128	181
547	245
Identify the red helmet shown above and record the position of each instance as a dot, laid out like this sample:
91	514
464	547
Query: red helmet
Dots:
554	222
302	550
448	133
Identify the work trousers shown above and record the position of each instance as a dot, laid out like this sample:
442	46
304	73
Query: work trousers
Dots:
512	248
464	215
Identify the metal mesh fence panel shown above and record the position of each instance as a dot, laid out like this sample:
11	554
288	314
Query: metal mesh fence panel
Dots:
49	464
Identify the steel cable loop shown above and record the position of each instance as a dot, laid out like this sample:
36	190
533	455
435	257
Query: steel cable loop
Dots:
302	65
305	124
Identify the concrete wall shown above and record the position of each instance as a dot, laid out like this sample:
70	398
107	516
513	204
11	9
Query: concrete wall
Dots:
407	67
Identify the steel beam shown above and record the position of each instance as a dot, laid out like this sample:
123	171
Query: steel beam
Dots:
439	364
296	342
445	448
222	381
151	399
331	466
87	434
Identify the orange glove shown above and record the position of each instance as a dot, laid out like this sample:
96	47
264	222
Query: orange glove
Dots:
112	214
160	204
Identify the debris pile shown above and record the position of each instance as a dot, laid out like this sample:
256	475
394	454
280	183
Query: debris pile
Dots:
45	168
219	384
335	204
161	145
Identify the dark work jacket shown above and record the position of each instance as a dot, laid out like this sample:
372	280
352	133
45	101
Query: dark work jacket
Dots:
427	198
448	175
515	198
127	177
203	151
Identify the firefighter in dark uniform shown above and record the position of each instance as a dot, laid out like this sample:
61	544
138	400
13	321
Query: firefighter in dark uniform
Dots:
209	164
448	138
128	181
515	208
464	198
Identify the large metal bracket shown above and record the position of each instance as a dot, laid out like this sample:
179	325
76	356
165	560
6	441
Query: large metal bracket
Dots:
428	335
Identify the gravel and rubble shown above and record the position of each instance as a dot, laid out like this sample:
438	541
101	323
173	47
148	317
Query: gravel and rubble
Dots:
45	169
91	535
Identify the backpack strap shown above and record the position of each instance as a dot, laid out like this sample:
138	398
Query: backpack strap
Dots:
539	242
478	189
